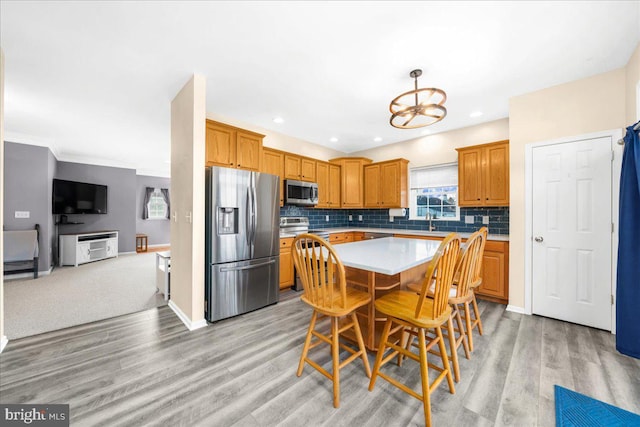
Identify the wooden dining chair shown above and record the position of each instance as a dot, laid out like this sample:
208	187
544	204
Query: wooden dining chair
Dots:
325	289
476	281
409	311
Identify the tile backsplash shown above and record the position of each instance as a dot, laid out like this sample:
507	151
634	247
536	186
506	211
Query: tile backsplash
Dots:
379	218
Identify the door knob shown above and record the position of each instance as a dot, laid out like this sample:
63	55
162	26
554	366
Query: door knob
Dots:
538	239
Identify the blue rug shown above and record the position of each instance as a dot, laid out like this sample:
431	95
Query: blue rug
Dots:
577	410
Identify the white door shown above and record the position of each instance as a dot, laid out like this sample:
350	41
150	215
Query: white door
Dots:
571	256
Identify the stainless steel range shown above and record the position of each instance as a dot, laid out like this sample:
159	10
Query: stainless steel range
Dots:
295	225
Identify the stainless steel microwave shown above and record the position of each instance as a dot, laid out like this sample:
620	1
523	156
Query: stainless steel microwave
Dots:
300	193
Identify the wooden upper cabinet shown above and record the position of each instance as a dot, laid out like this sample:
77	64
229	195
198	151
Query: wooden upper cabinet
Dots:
248	151
299	168
352	185
221	145
232	147
385	184
273	163
483	175
328	179
372	186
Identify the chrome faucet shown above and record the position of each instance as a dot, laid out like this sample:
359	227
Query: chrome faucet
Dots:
429	217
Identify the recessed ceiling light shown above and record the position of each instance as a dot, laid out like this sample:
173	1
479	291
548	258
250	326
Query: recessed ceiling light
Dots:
278	120
333	139
425	132
377	139
475	114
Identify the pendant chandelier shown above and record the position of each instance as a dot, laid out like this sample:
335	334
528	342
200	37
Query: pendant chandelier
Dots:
418	107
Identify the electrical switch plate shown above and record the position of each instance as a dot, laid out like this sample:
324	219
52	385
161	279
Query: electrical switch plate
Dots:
485	220
326	218
359	217
350	217
22	214
468	219
390	219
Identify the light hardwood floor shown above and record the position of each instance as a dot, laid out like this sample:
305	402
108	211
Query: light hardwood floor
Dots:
146	368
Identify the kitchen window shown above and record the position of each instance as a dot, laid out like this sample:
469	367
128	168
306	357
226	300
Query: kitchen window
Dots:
434	190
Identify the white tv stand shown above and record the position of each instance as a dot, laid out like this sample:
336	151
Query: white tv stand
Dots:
80	248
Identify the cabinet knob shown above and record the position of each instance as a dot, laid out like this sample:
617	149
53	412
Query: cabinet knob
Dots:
487	198
231	163
478	198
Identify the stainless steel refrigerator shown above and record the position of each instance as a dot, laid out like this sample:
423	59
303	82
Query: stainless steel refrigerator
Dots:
242	241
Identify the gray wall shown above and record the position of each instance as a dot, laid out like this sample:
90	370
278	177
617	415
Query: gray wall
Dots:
121	201
157	231
26	174
51	172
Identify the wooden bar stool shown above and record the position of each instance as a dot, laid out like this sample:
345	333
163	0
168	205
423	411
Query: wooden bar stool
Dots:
325	289
476	281
418	313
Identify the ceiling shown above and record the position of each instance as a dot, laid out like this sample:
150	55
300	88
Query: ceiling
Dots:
94	80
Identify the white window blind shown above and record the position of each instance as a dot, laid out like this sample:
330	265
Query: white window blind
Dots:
434	176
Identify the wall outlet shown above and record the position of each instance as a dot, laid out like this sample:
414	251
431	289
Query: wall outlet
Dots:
390	219
326	218
468	219
359	217
22	214
350	217
485	220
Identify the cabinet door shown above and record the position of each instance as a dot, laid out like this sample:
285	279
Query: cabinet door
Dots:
248	151
286	263
322	175
372	186
83	253
220	146
273	163
390	185
470	177
308	170
496	175
334	186
492	274
112	247
352	187
292	167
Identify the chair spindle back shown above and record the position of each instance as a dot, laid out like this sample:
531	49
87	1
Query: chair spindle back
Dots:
470	262
321	272
441	270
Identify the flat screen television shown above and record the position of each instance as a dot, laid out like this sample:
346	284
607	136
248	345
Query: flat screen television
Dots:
70	197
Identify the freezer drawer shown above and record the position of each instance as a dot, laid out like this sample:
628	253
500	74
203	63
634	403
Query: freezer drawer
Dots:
239	287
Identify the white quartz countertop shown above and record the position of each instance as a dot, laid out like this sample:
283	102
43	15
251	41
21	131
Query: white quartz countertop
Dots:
389	255
496	237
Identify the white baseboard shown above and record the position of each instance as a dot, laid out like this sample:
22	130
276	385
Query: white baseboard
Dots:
3	342
161	244
192	326
515	309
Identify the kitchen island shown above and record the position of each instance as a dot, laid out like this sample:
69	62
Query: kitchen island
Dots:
381	266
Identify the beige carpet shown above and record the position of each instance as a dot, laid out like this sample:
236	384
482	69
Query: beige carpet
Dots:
75	295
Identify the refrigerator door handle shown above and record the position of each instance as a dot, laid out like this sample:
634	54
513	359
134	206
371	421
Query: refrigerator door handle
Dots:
249	222
246	267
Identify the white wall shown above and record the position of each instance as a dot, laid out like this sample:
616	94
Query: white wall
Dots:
187	202
3	338
439	148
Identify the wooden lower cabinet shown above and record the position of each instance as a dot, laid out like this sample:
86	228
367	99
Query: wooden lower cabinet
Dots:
337	238
286	263
495	269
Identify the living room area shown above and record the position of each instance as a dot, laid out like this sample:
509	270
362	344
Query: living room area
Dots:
120	241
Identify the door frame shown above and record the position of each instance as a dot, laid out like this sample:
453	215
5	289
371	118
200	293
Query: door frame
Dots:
615	136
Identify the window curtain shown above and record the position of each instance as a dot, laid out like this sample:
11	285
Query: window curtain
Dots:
165	195
434	176
148	191
628	281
